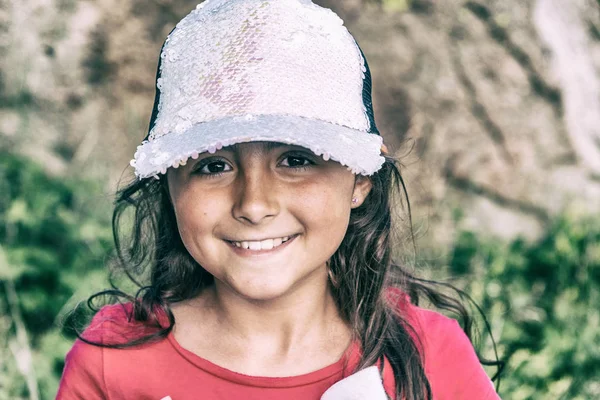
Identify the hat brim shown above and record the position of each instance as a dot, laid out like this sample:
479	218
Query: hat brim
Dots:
358	150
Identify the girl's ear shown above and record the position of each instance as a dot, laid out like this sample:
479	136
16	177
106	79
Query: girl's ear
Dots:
362	187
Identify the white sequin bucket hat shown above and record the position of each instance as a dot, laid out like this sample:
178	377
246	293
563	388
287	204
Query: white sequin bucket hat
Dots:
235	71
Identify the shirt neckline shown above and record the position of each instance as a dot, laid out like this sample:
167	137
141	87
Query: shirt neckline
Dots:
345	364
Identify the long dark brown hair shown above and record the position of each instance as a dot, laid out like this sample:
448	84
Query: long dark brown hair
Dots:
362	276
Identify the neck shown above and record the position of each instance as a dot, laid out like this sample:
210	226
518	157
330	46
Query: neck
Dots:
284	322
290	335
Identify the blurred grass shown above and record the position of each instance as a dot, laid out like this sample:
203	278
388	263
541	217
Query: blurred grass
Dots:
541	298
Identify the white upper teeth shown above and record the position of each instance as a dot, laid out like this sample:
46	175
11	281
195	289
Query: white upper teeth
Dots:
267	244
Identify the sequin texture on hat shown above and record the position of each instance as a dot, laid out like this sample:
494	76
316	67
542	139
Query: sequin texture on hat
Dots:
235	71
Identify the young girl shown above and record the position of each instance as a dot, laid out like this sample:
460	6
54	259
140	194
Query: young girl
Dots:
262	226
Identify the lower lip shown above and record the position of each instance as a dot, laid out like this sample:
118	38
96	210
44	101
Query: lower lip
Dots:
248	253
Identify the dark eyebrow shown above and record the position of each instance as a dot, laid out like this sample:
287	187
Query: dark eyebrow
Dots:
275	145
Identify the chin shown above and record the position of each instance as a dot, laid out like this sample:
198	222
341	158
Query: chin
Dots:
262	290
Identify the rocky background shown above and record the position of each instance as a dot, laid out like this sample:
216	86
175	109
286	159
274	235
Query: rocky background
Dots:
493	107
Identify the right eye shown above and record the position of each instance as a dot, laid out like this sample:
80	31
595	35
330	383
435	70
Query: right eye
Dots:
213	167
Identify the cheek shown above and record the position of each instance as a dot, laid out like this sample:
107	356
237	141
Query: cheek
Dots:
326	210
196	215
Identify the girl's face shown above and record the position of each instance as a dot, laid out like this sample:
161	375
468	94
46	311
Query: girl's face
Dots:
263	218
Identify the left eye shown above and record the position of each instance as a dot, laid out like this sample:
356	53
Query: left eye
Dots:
295	161
214	167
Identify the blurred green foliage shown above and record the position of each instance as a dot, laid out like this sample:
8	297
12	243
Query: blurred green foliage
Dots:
395	5
392	5
541	298
54	241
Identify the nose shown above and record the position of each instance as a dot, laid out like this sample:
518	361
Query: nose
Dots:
256	197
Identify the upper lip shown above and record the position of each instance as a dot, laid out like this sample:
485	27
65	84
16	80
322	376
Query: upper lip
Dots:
260	240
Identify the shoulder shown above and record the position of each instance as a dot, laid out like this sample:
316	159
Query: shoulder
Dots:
436	335
451	363
429	328
111	320
435	330
85	364
83	373
115	325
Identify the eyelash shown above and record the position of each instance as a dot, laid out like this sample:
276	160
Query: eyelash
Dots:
300	157
205	163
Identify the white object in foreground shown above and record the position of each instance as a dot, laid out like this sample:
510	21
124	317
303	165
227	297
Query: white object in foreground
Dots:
363	385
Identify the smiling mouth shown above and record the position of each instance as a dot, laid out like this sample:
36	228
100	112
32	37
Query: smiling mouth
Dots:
267	244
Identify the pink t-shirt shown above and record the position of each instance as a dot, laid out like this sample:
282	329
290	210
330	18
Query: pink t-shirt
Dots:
165	370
